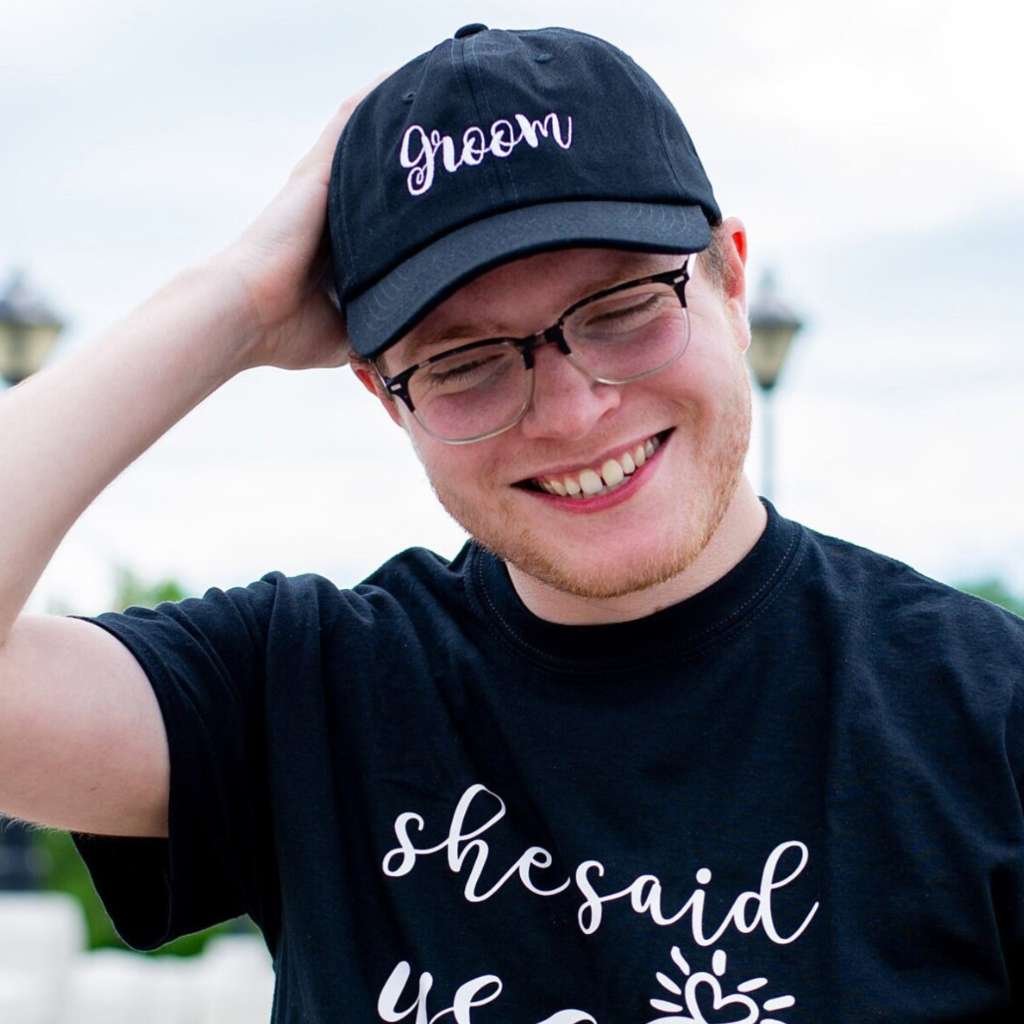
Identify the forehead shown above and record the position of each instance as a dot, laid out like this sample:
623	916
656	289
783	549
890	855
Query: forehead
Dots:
512	298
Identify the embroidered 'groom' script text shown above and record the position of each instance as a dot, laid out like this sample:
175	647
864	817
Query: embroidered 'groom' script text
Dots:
463	845
420	147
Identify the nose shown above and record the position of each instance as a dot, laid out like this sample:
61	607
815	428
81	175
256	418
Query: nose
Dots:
567	402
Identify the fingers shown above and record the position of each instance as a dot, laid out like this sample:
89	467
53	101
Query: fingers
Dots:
344	354
328	335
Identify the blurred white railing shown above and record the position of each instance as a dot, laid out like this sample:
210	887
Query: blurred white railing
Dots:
47	977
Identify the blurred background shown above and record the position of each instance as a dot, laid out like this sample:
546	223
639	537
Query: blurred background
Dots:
873	153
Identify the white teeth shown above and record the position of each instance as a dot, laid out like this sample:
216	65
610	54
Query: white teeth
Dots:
590	482
612	473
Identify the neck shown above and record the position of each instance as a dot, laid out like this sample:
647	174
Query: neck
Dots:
737	533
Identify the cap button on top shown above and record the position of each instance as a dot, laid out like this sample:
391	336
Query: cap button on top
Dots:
470	30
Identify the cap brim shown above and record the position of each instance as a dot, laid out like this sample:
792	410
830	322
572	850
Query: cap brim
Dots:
388	309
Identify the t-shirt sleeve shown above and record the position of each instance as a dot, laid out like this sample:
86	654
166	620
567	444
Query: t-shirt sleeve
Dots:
206	661
1008	883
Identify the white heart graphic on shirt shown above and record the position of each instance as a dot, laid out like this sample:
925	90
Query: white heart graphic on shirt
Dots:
719	1002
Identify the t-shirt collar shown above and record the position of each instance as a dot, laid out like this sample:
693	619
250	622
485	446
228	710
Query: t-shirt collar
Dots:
680	630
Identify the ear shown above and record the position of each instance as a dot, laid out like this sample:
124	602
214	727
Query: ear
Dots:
735	286
368	377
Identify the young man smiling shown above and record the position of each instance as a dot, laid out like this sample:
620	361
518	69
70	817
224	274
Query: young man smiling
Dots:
645	750
683	513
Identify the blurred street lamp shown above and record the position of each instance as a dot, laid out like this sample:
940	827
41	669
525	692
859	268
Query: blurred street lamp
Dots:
28	330
773	325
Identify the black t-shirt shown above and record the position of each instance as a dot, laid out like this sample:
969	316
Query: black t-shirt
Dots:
794	796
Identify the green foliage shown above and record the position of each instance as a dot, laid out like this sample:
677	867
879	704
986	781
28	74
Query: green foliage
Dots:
130	589
993	589
66	871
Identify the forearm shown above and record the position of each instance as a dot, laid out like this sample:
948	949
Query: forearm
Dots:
73	427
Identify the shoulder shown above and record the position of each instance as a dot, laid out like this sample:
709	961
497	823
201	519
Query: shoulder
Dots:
894	605
410	584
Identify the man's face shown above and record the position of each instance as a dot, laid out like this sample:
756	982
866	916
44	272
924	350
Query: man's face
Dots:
666	516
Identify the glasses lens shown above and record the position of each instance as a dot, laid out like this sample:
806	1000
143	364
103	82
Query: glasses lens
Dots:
629	334
469	394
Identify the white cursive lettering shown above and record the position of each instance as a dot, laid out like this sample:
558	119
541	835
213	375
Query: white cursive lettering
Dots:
478	992
464	847
419	147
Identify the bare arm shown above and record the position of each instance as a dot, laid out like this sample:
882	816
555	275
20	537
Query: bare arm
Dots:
82	743
70	429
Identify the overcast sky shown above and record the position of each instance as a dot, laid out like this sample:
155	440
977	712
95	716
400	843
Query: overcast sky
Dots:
872	150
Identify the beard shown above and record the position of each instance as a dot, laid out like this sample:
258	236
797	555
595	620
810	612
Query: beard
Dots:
718	458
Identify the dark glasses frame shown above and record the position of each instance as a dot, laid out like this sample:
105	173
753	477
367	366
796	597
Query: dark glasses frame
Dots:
398	384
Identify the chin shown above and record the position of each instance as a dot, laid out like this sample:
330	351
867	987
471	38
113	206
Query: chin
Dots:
582	577
572	568
708	475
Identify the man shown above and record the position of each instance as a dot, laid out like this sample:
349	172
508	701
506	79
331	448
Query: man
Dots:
645	749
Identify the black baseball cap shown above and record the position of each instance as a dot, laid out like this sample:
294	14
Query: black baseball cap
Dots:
497	144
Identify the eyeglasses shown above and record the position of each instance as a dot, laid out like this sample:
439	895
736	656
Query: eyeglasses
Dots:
481	389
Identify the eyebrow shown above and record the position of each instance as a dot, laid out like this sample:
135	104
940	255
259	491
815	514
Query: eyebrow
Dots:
459	331
490	329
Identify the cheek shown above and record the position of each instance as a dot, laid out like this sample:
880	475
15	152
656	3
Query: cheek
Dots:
418	447
697	380
453	466
714	360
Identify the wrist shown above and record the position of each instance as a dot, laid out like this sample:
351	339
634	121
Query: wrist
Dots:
217	291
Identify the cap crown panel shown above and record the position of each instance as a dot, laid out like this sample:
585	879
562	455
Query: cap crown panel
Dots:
494	121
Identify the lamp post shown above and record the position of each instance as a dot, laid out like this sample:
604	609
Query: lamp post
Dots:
773	325
28	332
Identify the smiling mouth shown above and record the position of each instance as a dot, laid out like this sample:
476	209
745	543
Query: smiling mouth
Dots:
596	480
